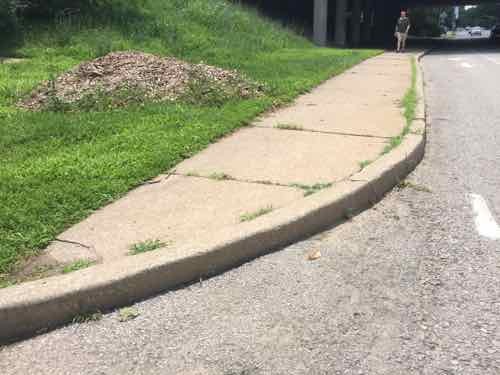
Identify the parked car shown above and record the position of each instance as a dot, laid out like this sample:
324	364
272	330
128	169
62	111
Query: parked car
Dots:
476	31
495	33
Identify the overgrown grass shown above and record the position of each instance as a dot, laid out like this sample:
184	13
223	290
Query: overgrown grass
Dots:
409	104
56	167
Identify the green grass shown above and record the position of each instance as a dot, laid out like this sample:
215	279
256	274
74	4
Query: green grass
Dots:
78	265
409	103
146	246
249	216
365	163
88	317
127	313
312	189
57	168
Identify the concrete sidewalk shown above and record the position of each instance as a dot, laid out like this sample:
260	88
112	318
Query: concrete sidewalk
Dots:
323	138
290	174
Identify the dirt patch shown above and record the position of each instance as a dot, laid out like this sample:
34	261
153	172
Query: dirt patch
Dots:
120	78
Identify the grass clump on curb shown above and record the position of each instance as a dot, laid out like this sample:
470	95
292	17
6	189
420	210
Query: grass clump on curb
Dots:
409	103
312	189
59	167
88	317
146	246
365	163
254	215
78	265
409	184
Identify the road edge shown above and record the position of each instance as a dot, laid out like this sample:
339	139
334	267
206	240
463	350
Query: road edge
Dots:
35	307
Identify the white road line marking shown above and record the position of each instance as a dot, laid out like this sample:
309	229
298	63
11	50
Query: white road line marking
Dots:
485	222
466	65
455	59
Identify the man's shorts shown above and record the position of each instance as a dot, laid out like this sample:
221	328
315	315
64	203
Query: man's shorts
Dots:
402	36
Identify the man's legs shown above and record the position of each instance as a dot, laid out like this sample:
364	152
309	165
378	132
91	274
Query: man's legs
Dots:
399	36
403	40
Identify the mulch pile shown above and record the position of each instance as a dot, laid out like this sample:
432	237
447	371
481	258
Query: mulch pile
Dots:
156	78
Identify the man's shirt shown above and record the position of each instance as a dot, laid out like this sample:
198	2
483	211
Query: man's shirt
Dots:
403	25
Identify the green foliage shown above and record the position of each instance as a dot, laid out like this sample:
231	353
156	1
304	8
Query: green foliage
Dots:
425	21
57	167
485	15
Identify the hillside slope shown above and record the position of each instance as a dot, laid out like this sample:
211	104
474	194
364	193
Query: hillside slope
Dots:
58	166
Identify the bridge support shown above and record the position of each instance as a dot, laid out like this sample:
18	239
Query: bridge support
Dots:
320	22
356	22
367	21
340	22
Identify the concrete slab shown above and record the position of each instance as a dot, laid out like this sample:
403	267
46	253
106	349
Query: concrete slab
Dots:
284	156
380	122
173	211
362	101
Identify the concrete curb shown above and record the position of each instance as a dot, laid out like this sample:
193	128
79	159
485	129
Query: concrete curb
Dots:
36	306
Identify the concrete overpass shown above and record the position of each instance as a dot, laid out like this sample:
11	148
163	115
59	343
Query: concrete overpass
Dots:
348	22
365	20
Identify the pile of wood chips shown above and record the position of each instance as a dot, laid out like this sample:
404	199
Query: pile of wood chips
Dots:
157	78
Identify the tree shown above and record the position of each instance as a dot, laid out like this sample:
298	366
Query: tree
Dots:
7	14
427	21
485	15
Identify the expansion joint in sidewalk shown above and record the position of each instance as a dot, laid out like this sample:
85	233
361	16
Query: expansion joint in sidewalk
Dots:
73	243
224	177
325	132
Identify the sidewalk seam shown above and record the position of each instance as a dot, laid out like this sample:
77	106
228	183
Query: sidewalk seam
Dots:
323	132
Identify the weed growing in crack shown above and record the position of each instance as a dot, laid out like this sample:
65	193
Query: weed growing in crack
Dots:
254	215
146	246
220	177
78	265
312	189
289	127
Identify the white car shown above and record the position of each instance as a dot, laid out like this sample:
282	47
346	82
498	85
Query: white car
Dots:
476	31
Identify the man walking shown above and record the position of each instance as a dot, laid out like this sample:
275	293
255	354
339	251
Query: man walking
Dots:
402	28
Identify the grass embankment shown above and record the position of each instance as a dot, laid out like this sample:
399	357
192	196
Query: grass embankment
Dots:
57	167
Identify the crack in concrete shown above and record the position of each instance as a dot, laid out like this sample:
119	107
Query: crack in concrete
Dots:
74	243
162	179
324	132
299	186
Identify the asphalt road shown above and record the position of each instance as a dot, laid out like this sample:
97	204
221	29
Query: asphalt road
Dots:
411	286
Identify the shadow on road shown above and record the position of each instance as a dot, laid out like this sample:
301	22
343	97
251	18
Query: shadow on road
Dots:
451	47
